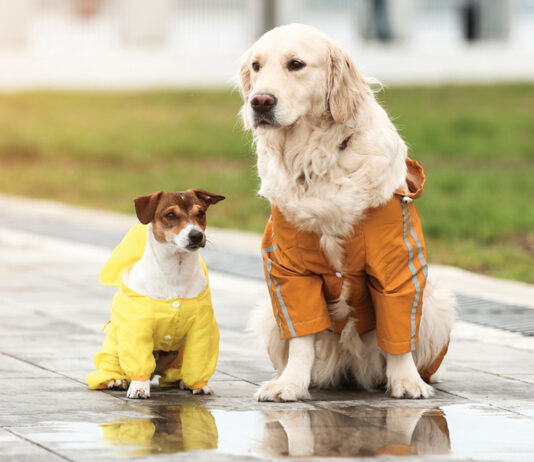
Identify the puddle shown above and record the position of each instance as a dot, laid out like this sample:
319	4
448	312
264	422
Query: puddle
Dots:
334	430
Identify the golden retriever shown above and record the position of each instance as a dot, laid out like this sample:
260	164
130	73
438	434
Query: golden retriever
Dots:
327	152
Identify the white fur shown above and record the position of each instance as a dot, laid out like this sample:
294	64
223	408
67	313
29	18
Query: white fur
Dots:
139	389
326	189
167	270
118	384
293	383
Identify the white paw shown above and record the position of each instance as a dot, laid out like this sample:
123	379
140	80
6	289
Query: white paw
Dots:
139	389
278	390
203	391
410	387
117	385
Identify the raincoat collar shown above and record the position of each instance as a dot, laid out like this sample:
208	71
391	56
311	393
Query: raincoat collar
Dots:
123	257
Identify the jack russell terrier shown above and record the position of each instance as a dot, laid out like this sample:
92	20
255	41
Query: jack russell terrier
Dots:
162	320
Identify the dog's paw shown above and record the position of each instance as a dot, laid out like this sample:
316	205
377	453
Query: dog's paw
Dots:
117	385
203	391
410	387
139	389
280	391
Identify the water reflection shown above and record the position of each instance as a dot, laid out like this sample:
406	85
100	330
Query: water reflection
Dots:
358	431
354	431
176	429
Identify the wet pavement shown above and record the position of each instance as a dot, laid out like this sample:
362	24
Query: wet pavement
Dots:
53	309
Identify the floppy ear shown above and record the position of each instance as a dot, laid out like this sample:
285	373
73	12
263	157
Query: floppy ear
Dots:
145	207
347	89
245	86
244	75
207	197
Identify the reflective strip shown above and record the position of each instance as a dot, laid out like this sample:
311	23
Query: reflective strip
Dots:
420	254
270	284
279	294
414	276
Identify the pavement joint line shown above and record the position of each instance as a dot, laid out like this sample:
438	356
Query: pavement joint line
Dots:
41	367
35	443
238	378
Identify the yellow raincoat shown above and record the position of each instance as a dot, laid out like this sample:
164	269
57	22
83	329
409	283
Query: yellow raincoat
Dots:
141	326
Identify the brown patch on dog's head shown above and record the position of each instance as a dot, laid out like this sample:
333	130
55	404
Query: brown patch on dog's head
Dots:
170	213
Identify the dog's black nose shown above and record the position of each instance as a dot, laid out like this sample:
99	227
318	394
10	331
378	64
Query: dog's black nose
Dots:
263	102
195	236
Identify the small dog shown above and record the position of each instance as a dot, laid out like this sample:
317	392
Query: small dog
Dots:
162	318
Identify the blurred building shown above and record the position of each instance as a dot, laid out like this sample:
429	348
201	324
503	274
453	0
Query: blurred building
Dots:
140	43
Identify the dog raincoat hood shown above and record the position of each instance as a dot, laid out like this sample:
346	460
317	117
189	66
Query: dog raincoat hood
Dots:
141	326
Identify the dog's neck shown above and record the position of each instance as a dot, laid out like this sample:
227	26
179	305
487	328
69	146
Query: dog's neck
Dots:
165	271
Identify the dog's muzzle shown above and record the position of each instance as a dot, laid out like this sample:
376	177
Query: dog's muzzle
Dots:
263	107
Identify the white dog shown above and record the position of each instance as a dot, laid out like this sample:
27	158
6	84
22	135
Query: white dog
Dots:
327	156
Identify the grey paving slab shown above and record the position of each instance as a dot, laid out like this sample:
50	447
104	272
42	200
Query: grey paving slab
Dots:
14	448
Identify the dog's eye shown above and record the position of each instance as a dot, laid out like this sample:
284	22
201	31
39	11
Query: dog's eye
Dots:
295	65
201	214
256	66
170	215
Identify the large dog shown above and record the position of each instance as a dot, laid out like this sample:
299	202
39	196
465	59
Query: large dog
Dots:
343	252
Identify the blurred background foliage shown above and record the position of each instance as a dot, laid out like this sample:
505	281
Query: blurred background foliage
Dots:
101	149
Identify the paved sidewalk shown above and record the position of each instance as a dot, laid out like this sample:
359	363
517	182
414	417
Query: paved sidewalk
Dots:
53	309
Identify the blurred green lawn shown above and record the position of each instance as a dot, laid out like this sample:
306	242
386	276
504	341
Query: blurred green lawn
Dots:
102	149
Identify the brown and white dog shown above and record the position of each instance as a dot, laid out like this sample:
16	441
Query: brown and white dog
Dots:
170	267
326	153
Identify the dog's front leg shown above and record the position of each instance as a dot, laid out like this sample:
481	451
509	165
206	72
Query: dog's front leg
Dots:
139	389
403	378
294	382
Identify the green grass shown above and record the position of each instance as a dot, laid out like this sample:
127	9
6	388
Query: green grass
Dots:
103	149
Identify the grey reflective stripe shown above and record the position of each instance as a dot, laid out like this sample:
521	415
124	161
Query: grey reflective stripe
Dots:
414	276
420	255
279	294
272	296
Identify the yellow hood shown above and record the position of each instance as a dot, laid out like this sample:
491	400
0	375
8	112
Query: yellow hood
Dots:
122	258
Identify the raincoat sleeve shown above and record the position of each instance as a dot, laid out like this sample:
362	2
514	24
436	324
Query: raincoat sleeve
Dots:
297	296
397	270
201	349
134	327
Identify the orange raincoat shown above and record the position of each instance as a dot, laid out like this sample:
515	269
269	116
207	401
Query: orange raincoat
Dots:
385	263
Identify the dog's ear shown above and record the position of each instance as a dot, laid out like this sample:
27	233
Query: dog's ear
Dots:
245	86
145	207
206	197
244	75
347	89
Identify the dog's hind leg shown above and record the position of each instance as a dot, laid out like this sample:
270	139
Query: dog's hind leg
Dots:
109	373
434	332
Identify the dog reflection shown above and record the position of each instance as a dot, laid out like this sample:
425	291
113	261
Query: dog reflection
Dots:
178	429
355	431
